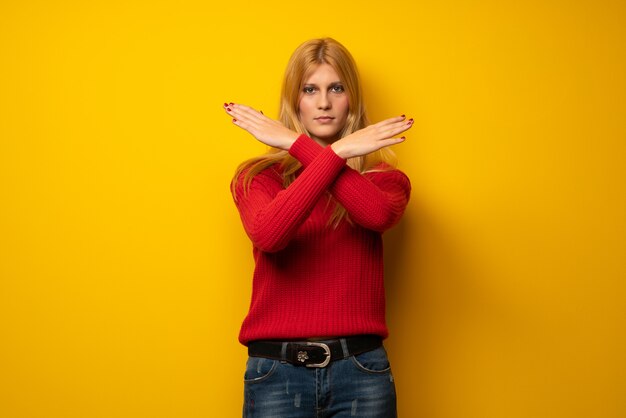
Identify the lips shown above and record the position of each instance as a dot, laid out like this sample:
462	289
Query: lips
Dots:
324	118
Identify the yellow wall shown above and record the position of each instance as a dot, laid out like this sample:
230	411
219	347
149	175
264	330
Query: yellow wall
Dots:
125	273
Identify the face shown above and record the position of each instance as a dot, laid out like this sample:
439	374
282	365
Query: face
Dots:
323	106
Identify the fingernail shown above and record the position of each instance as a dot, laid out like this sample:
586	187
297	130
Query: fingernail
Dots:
225	104
231	103
234	120
402	116
228	109
402	137
261	111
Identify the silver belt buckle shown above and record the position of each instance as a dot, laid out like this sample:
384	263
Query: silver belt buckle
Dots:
326	352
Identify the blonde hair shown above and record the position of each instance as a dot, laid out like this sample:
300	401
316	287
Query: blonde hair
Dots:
302	63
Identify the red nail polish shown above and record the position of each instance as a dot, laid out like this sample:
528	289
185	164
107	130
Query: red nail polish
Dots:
225	104
403	116
231	103
402	137
234	120
228	109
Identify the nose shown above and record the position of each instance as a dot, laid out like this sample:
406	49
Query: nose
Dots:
323	102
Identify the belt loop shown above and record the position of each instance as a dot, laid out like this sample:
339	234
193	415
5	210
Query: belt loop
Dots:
283	352
344	347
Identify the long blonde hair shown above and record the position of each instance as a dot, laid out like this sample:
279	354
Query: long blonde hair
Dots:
302	63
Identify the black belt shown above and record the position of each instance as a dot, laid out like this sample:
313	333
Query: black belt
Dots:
314	353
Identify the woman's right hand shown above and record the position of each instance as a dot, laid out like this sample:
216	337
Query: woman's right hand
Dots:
372	138
266	130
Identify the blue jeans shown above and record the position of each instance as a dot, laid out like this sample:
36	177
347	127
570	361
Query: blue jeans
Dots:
358	386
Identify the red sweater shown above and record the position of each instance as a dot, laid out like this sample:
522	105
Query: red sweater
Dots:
310	279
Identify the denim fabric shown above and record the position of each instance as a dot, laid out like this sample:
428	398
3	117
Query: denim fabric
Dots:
358	386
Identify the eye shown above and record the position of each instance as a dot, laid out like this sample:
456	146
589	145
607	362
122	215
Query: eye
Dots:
337	88
308	90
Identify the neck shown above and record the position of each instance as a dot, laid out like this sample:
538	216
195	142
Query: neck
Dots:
324	141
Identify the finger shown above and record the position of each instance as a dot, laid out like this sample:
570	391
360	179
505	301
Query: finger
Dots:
230	112
397	119
246	120
387	143
389	127
399	122
391	141
390	121
249	115
241	116
248	111
397	128
245	125
390	131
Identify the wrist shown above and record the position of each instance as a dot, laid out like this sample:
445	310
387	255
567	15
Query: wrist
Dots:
290	140
338	149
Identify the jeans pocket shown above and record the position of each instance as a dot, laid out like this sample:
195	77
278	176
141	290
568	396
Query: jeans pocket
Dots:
259	369
374	361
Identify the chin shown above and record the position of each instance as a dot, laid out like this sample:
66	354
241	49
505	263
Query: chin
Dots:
329	138
324	139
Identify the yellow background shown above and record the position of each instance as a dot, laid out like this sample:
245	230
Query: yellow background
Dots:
124	270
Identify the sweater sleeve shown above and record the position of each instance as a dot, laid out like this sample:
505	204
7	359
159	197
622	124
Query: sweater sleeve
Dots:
270	213
374	200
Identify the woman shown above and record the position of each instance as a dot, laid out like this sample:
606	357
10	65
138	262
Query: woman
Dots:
315	206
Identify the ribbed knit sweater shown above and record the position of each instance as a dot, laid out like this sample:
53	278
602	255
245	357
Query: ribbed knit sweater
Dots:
311	279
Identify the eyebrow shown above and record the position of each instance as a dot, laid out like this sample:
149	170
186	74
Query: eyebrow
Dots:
333	84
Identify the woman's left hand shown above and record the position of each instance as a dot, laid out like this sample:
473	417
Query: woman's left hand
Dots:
266	130
372	137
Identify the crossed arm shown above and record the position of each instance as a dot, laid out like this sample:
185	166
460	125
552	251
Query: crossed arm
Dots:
272	214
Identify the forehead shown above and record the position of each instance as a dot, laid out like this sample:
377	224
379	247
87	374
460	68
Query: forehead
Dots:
322	74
